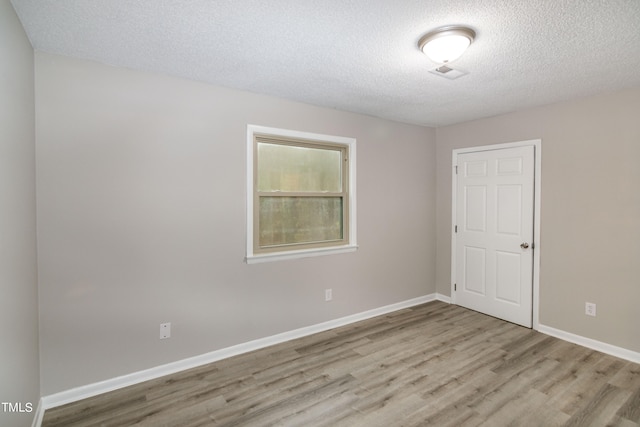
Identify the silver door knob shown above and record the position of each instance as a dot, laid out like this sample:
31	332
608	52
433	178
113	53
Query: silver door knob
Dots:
524	245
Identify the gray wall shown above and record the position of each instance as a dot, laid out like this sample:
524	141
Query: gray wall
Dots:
141	210
19	363
590	205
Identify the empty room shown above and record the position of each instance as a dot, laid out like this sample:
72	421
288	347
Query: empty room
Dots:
331	213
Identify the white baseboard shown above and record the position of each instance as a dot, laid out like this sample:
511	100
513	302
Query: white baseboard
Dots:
39	414
603	347
94	389
443	298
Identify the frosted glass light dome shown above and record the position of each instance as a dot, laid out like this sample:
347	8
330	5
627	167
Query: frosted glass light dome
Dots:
446	44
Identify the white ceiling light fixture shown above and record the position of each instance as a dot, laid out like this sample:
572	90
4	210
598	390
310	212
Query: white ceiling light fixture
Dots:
446	44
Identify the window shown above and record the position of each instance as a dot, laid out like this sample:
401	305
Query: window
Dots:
301	194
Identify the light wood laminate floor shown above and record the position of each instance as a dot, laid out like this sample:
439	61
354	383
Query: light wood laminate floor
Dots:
431	365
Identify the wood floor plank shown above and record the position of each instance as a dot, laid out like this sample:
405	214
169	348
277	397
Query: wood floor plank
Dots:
445	417
628	377
431	365
585	387
601	407
271	413
630	410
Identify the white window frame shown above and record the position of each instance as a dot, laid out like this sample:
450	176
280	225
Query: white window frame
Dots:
350	144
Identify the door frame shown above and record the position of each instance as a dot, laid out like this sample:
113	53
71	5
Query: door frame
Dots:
537	179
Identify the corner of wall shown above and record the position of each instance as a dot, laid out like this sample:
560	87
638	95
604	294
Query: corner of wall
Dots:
20	366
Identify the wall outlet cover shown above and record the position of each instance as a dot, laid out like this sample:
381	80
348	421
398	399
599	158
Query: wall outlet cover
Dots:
165	331
328	294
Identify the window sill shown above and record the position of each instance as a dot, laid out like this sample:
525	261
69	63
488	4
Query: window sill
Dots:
305	253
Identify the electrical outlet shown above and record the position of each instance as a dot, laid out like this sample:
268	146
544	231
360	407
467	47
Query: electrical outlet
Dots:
165	330
590	309
328	294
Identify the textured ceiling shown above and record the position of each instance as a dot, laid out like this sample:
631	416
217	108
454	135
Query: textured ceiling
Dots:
359	55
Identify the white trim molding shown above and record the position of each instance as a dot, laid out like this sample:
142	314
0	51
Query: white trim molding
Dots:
39	415
304	253
622	353
90	390
443	298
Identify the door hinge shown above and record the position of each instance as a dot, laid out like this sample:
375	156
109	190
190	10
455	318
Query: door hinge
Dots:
455	286
455	230
456	169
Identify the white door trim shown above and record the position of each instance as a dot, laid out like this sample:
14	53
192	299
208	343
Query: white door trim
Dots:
537	144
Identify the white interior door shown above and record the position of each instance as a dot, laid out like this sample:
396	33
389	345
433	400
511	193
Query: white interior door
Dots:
494	233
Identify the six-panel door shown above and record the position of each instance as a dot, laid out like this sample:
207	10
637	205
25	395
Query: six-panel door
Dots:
494	218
